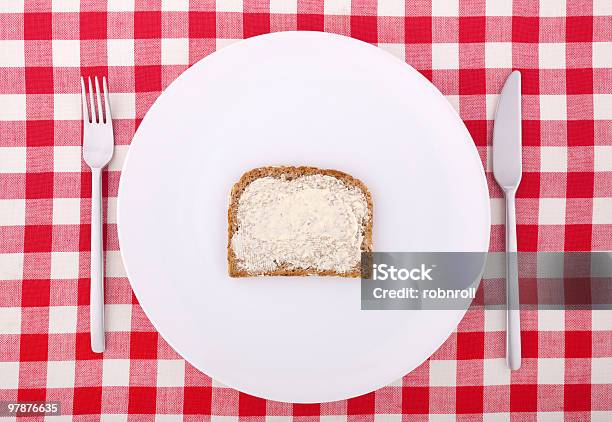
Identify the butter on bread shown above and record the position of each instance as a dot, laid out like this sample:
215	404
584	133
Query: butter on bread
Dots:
298	221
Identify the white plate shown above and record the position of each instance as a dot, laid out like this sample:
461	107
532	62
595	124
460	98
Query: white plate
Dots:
295	98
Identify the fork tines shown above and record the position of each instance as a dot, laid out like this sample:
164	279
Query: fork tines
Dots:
98	114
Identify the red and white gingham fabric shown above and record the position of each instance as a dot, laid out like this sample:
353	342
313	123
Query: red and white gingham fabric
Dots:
562	47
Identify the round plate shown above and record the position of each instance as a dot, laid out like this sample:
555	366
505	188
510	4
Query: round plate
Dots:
295	98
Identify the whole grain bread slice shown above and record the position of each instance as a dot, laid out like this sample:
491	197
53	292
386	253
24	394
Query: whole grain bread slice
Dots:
289	173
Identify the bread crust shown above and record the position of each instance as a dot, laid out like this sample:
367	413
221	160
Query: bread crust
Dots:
290	173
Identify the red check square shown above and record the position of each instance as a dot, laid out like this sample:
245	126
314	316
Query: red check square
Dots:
527	237
523	398
37	238
417	30
33	347
202	24
579	29
39	185
197	400
306	409
470	345
148	78
365	28
472	81
576	397
254	24
35	292
143	345
472	29
362	405
580	184
39	80
578	344
525	29
39	133
580	133
147	24
310	22
579	81
37	26
529	343
251	406
93	25
142	401
415	400
578	237
87	401
469	399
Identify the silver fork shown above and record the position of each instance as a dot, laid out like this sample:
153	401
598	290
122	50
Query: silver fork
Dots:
98	145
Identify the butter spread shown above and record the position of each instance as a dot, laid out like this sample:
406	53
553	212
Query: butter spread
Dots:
312	221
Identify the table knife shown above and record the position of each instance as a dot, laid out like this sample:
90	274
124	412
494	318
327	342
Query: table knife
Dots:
507	169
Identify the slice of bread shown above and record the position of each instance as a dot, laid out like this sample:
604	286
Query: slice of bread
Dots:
298	221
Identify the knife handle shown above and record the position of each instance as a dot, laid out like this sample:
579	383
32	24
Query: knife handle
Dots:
513	314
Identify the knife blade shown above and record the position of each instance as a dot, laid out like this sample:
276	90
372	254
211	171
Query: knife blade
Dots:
507	169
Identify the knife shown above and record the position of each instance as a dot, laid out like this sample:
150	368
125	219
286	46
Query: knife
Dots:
507	169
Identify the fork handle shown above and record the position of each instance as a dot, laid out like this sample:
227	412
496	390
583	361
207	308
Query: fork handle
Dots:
513	313
96	292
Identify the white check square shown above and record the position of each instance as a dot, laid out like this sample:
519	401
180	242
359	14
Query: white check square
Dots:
114	265
13	106
66	6
62	319
551	371
123	105
10	320
13	159
11	266
118	317
174	51
67	107
64	265
12	212
602	104
443	373
121	52
554	8
12	53
445	56
551	211
9	375
602	7
66	53
602	54
551	55
601	320
603	158
175	5
495	320
67	158
498	7
115	372
398	50
496	372
66	210
601	370
553	107
391	8
11	6
498	55
553	159
283	6
170	373
229	6
120	5
60	374
602	210
551	320
337	7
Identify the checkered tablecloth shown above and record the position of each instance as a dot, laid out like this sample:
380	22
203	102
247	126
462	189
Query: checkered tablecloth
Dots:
564	51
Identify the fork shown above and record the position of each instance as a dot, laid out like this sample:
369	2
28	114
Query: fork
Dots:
98	147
